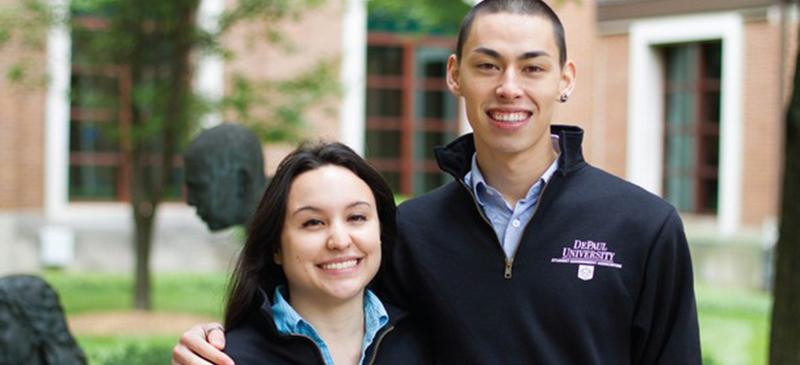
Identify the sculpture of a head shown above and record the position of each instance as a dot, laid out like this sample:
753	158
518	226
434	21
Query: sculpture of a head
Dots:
224	175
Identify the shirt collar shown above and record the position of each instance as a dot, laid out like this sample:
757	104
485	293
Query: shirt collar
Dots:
289	321
475	180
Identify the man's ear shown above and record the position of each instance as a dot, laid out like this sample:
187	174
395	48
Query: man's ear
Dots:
452	75
568	75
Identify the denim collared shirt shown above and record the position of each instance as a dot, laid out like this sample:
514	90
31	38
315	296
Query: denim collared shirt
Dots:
508	222
289	322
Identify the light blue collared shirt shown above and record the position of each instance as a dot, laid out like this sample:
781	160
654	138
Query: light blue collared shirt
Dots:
289	322
508	222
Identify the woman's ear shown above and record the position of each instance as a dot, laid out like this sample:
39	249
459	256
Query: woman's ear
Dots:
276	258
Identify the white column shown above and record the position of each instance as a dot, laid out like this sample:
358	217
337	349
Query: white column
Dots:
353	72
210	75
57	113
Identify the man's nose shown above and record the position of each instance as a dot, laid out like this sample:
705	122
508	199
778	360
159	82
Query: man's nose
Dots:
509	88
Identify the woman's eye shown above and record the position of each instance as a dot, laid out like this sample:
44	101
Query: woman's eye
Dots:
312	223
358	218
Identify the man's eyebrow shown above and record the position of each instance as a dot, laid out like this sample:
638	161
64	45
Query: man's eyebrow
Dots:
527	55
532	54
488	51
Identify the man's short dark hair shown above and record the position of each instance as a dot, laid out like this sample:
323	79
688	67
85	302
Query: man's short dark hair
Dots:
523	7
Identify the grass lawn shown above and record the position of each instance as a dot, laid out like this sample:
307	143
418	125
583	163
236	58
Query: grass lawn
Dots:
734	323
82	293
200	294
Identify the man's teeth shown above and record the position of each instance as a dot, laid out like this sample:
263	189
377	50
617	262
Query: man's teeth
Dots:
340	265
510	117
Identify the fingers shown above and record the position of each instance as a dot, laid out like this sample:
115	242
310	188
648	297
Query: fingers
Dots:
193	348
215	335
183	356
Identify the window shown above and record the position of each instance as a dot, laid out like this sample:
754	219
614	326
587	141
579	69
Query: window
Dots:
692	106
98	125
409	110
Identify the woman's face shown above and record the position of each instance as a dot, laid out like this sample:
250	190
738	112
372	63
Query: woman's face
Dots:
330	244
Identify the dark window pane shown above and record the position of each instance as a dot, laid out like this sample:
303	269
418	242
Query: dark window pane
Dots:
94	92
393	179
435	69
425	142
427	181
92	182
434	104
91	137
711	99
712	60
710	190
691	146
383	144
711	150
384	60
384	103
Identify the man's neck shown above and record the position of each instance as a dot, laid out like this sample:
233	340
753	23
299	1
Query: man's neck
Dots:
514	174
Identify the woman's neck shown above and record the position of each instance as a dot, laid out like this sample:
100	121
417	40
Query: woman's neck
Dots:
339	323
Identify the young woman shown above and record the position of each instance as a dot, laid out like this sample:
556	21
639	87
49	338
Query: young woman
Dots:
298	294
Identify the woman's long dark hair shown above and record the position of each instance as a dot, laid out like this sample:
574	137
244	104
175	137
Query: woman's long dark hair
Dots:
255	269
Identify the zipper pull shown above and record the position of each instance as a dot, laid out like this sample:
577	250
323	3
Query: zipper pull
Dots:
507	273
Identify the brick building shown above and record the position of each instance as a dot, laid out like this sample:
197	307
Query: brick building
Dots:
684	98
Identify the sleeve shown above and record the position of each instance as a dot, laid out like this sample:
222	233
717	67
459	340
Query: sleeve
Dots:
665	328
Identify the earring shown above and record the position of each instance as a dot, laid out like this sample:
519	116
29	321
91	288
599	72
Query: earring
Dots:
563	98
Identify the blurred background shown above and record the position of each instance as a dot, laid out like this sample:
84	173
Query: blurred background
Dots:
684	98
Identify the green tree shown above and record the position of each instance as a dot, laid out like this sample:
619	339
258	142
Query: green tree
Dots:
151	44
785	332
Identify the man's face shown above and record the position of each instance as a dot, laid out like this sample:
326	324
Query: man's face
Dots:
511	79
213	189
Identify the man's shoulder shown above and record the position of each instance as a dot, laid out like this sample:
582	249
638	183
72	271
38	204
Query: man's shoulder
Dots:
601	184
432	201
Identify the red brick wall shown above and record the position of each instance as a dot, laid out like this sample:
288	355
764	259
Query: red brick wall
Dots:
316	36
22	106
762	117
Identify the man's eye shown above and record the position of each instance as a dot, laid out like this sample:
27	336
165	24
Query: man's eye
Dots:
486	66
532	69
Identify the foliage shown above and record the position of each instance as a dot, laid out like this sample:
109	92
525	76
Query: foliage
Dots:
193	293
146	49
282	102
424	16
127	350
440	16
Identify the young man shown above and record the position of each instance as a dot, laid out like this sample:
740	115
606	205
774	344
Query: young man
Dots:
531	256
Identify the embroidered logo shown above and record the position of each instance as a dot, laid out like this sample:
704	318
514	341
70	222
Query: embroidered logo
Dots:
585	272
587	254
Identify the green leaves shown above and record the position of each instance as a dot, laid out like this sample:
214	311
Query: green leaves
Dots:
276	110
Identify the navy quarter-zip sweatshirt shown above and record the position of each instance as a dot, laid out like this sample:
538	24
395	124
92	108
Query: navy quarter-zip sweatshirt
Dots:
602	274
